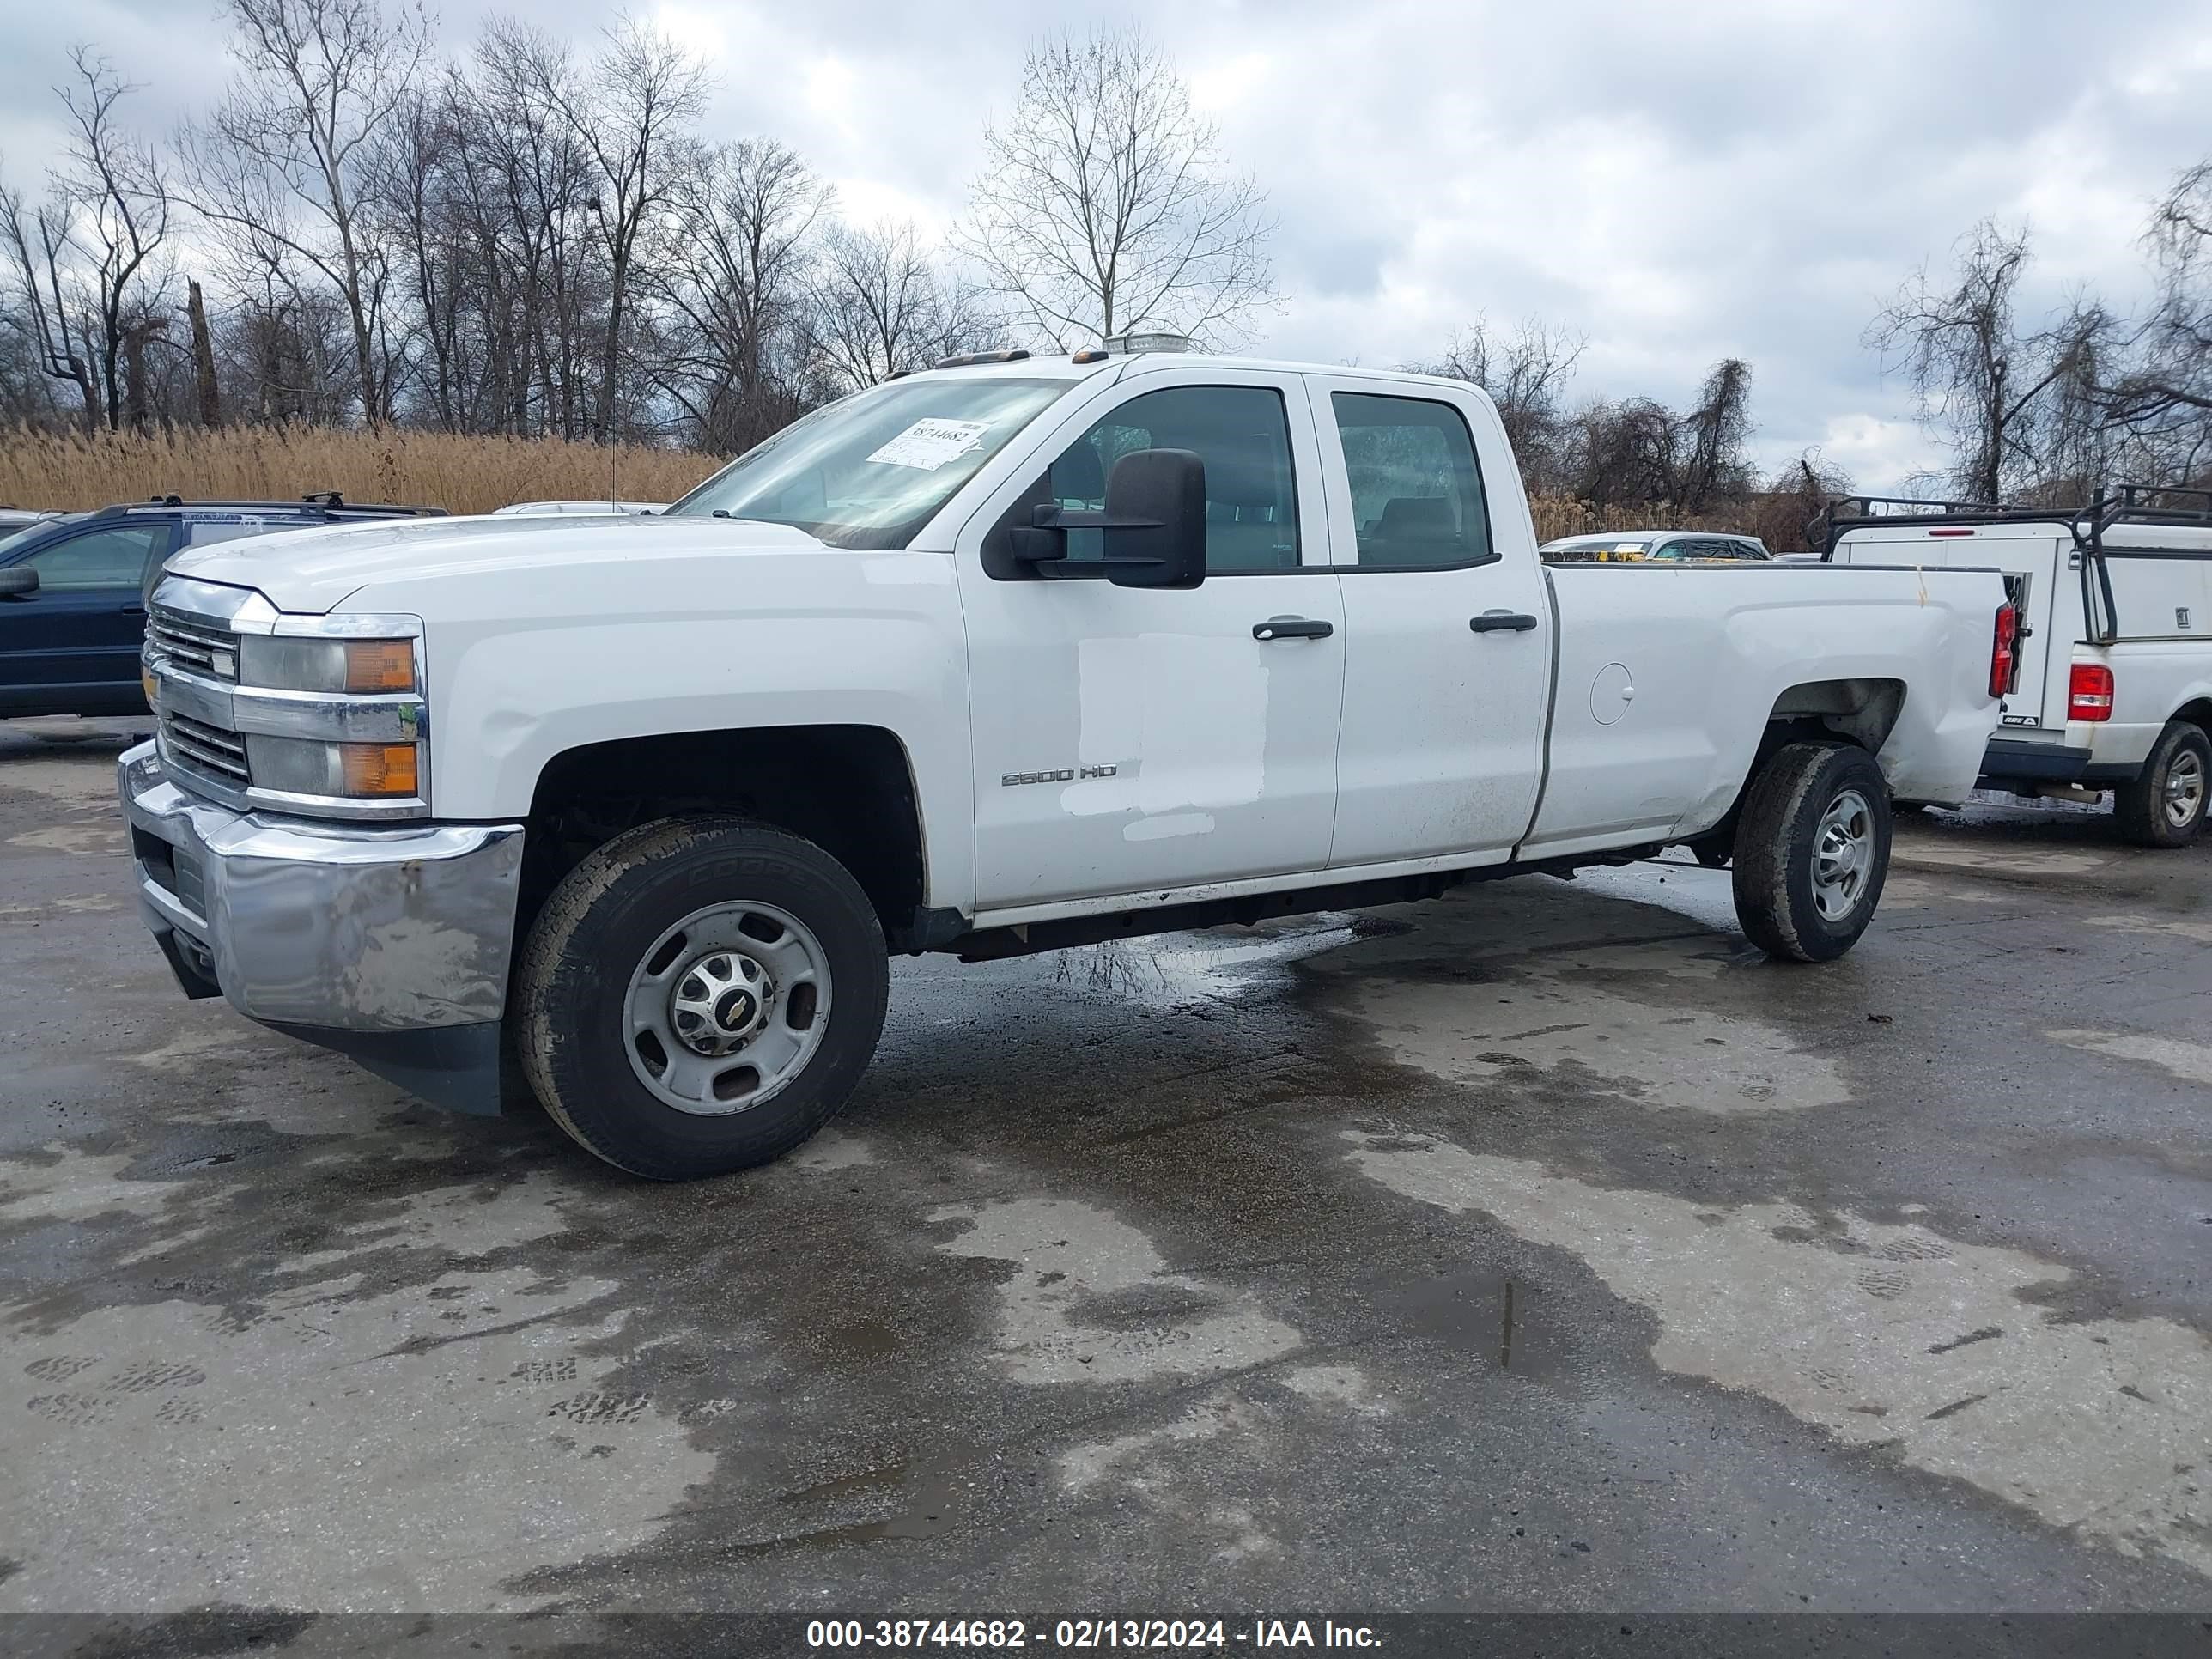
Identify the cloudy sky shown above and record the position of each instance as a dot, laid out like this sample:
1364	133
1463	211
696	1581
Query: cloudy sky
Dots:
1679	182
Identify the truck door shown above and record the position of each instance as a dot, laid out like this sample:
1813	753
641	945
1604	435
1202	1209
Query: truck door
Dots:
1133	739
1448	667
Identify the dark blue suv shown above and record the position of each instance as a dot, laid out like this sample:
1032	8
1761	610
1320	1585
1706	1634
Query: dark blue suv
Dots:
73	591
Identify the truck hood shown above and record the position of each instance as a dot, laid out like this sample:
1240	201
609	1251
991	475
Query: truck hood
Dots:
311	572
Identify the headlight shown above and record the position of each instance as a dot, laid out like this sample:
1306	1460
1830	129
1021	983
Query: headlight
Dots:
284	664
342	771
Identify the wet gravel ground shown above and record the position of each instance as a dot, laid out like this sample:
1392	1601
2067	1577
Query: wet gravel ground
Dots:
1539	1249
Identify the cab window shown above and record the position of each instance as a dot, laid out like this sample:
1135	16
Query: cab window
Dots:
1243	435
1416	498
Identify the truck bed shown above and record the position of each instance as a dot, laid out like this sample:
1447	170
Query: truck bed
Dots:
1666	675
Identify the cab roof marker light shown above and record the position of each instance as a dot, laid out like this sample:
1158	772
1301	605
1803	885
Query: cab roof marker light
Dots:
1134	342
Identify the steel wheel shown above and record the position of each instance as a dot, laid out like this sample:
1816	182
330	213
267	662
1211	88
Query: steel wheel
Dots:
727	1008
1842	851
2183	796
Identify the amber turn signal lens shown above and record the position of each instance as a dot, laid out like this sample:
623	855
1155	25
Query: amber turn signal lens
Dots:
379	666
377	769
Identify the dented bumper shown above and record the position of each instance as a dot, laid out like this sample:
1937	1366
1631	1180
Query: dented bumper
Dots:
390	946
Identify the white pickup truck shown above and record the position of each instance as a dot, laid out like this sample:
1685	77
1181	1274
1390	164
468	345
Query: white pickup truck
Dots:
1009	655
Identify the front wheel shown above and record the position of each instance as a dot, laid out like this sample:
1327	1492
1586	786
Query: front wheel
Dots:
2163	806
1812	851
700	996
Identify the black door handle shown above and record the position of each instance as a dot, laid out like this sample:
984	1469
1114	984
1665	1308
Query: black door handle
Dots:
1292	628
1502	621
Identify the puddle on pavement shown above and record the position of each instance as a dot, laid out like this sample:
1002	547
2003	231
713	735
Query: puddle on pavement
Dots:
1089	1299
164	1447
2189	1061
1883	1335
1546	1009
1174	970
88	780
82	840
932	1501
1483	1316
1991	861
2197	931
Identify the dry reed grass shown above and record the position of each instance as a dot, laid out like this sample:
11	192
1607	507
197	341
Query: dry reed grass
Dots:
421	469
70	471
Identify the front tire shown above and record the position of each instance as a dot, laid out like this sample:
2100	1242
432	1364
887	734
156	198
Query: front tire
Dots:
700	996
1812	851
2163	806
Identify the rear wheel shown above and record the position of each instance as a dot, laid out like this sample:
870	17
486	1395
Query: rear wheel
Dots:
1812	851
700	996
2163	806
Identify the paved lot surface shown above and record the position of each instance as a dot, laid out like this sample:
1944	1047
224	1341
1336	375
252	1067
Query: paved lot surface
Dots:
1540	1248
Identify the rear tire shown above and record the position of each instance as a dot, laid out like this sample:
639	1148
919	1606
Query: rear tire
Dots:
700	996
1812	851
2163	806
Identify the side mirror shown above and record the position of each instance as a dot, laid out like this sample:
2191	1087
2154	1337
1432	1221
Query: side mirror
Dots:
18	583
1156	520
1154	525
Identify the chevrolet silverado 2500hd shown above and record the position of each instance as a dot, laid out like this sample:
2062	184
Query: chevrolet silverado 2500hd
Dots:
997	658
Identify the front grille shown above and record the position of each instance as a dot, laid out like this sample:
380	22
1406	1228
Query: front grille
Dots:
193	646
209	750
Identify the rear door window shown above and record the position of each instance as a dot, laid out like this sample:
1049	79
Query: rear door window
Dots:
1417	496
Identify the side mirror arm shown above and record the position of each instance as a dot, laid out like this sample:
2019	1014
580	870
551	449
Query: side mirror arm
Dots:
1043	540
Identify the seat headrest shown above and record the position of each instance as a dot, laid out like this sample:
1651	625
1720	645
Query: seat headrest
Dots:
1417	517
1241	471
1077	475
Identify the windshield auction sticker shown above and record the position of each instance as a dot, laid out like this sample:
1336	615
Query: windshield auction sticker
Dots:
929	444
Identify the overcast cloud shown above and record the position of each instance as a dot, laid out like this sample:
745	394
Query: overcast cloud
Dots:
1681	183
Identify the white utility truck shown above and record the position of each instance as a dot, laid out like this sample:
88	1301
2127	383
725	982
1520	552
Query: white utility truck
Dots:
2114	690
1008	655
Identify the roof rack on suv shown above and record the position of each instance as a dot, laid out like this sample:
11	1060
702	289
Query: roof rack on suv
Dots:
326	504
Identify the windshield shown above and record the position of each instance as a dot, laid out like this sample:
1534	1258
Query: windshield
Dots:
12	536
868	472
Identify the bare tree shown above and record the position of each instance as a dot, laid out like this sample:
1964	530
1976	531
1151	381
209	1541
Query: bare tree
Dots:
881	305
1999	391
534	206
89	261
282	165
628	117
2159	397
736	289
114	184
39	247
1106	206
1525	373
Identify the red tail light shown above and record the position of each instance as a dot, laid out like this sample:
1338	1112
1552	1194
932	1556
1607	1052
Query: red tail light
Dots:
2004	651
2089	692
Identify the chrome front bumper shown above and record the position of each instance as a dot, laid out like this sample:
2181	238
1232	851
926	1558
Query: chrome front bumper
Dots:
389	944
